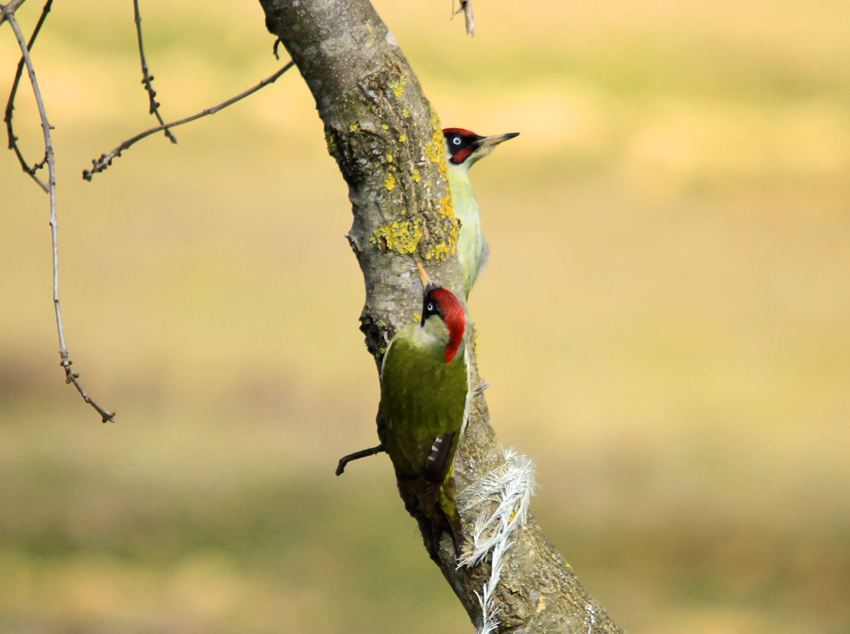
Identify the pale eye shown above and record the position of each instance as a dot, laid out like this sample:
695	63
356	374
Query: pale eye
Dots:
430	308
456	140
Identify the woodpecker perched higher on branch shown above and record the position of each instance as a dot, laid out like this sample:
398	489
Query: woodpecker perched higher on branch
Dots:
464	149
425	404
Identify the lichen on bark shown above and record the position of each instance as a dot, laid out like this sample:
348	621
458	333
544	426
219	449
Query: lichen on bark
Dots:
387	141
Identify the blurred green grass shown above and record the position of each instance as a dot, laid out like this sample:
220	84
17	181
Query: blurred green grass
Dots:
664	322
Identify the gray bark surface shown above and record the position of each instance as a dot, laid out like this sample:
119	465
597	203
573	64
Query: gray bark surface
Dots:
387	140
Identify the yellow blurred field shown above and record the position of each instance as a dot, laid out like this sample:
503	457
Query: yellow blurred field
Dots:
664	322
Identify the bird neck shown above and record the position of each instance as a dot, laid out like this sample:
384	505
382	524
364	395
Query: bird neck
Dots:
458	174
463	197
433	338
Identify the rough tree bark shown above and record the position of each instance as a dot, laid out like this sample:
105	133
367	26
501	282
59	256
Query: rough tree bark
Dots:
386	138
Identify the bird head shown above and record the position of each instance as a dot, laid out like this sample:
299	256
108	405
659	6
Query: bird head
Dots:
465	148
441	305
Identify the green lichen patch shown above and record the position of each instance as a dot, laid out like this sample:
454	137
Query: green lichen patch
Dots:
401	237
398	85
333	149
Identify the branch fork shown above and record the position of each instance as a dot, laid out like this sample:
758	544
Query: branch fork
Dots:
7	15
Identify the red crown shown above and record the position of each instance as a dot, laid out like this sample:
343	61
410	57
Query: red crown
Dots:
454	318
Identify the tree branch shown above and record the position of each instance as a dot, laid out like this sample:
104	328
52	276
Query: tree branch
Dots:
357	455
10	104
387	141
468	16
105	160
70	376
9	9
147	78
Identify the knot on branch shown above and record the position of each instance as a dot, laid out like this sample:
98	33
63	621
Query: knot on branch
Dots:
100	164
38	165
71	378
378	334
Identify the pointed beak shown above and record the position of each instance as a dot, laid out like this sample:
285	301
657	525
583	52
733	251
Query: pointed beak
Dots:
494	140
485	145
426	281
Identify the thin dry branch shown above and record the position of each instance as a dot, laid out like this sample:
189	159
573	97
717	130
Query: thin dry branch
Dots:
105	160
147	78
468	17
10	104
357	455
9	9
70	376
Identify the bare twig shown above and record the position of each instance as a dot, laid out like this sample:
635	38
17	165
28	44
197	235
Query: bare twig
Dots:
147	78
363	453
469	18
10	104
70	377
105	160
9	9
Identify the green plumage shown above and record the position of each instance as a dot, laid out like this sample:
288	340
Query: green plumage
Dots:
471	247
424	399
463	150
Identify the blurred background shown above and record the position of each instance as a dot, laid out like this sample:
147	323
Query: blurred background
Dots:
663	322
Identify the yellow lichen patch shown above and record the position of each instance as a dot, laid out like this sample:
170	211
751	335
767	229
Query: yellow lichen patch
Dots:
398	85
402	138
447	206
352	127
390	182
405	112
448	247
417	317
385	126
435	150
400	237
416	176
454	234
438	252
389	158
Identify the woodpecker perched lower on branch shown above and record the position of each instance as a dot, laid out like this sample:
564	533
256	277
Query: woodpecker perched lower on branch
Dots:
464	149
425	404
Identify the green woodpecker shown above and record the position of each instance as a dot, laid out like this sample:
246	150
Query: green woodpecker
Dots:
424	406
464	149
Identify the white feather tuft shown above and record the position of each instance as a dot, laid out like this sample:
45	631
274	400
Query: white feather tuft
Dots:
510	488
